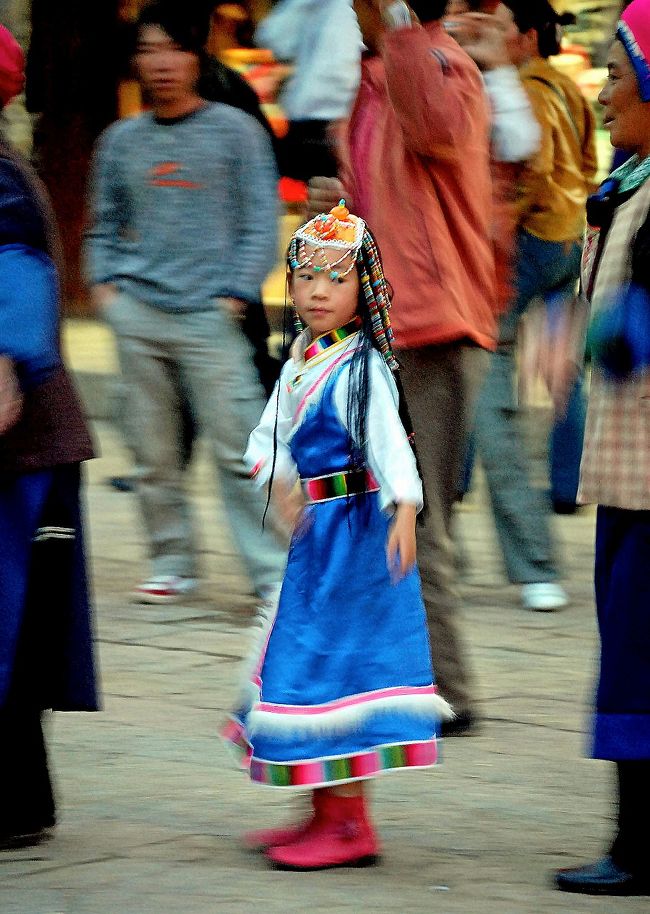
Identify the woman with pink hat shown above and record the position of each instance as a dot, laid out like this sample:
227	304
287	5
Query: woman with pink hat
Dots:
615	473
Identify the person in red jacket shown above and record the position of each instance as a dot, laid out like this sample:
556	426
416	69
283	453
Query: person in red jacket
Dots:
416	164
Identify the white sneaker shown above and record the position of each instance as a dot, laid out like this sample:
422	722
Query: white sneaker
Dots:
167	588
543	597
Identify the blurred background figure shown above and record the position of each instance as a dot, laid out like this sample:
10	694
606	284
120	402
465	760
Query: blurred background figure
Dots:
417	167
553	189
46	659
321	39
231	28
516	133
615	471
176	256
219	82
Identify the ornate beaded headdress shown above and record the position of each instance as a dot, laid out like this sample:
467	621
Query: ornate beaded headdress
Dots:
338	234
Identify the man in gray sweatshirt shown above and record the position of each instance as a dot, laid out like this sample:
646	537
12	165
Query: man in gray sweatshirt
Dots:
183	233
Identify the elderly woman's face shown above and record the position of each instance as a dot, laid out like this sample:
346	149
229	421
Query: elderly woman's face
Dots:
627	117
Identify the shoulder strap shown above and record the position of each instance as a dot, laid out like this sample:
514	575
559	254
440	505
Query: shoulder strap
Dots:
559	94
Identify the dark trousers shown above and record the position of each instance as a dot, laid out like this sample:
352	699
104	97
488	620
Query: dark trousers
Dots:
631	847
26	796
441	384
622	586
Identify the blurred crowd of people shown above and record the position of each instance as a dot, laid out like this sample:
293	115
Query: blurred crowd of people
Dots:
471	158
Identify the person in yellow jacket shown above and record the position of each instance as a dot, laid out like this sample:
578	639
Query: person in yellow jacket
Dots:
553	191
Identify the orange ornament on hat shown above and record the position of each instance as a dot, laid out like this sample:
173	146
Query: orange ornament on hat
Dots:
338	227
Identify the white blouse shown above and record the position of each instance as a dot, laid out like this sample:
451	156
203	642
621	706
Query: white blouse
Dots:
390	456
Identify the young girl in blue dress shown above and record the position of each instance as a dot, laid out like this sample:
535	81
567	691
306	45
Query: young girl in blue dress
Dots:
342	687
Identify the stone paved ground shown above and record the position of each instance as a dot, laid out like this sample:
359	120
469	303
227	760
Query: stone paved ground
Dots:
151	808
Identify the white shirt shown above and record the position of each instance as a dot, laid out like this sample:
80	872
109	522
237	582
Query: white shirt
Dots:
323	40
516	134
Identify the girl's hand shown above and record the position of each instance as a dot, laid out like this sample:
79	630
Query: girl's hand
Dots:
289	502
400	549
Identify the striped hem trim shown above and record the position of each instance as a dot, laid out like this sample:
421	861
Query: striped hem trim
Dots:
234	733
358	767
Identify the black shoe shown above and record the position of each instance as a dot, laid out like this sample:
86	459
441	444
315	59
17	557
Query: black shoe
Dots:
565	507
26	836
601	878
461	725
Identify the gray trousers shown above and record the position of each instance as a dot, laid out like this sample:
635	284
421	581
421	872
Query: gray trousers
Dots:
441	384
521	514
206	359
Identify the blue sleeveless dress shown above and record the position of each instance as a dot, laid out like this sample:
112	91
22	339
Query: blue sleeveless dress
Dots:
343	687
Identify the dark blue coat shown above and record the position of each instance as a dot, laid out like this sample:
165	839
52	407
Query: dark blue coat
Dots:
46	654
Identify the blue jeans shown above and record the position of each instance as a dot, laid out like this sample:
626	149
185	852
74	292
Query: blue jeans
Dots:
549	270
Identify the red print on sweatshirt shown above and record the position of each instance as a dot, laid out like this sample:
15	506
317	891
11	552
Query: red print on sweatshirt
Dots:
161	176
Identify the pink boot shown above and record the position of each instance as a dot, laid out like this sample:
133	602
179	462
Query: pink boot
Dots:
269	837
340	836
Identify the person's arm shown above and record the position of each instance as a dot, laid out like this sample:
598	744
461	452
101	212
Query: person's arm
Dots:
390	454
434	92
106	218
515	132
29	289
254	194
269	441
391	461
29	303
516	135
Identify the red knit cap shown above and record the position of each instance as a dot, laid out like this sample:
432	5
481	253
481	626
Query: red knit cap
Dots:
634	32
12	67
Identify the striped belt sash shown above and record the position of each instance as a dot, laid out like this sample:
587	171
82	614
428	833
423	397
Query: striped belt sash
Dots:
338	485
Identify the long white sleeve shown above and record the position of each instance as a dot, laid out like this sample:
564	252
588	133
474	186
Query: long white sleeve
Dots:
322	39
390	455
269	436
282	28
516	135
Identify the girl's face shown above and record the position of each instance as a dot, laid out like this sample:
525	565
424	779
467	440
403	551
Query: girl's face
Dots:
324	303
627	117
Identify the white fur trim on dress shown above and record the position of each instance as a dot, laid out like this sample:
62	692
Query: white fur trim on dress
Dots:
249	689
264	719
